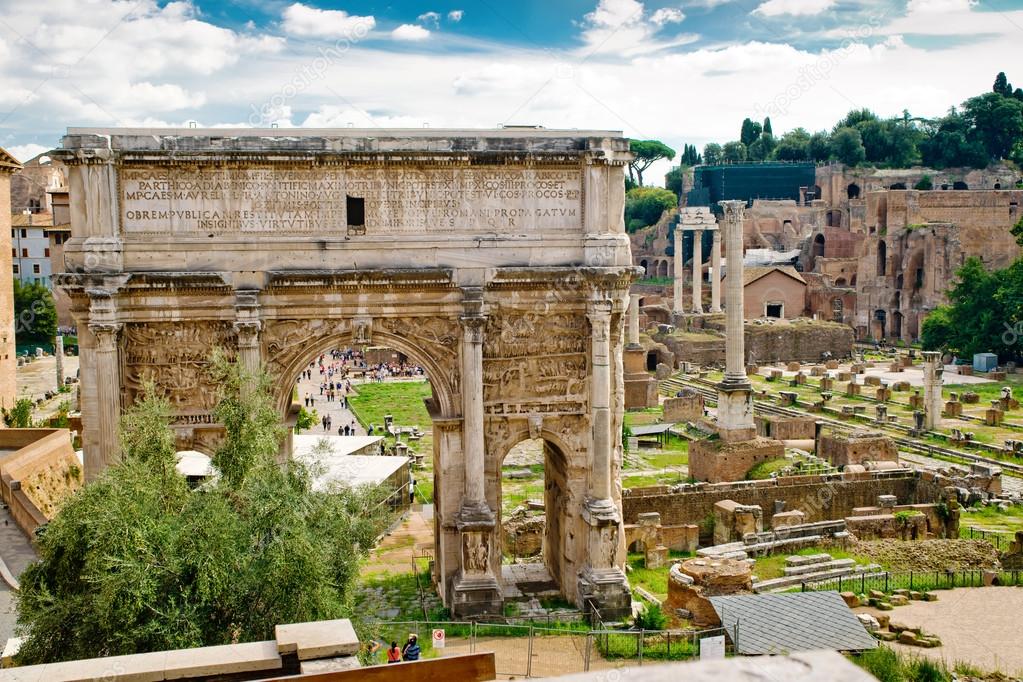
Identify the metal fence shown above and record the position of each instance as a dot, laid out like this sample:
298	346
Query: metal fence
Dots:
921	581
528	650
994	537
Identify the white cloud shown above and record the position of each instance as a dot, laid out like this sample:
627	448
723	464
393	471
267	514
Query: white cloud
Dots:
410	32
939	6
25	152
667	15
455	15
774	8
302	20
616	13
431	19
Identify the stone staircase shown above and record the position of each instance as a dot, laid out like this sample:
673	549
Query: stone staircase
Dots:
800	569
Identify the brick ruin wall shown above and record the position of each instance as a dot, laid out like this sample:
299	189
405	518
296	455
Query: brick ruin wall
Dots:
821	498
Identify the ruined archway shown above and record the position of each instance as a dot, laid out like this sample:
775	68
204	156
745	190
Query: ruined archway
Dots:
818	246
853	191
286	245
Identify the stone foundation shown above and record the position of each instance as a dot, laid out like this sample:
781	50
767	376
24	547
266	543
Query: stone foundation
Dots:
687	407
715	461
785	428
856	448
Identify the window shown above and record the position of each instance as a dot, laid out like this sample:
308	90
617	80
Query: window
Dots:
46	253
24	253
24	233
14	252
356	209
774	310
15	268
35	268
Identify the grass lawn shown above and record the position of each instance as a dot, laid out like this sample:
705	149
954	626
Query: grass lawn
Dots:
991	519
401	399
653	580
644	481
771	566
763	470
665	460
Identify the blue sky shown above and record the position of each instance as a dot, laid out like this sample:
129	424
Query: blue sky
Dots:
683	72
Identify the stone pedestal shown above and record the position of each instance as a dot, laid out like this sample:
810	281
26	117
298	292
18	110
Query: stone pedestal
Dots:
640	387
717	461
475	590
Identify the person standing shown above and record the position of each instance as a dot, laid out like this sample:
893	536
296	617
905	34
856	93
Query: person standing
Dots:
411	651
394	653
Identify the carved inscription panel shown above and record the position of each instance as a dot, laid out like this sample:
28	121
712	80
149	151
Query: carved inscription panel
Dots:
392	200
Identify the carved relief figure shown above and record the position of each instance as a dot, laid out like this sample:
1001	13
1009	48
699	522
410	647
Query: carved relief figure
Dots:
476	553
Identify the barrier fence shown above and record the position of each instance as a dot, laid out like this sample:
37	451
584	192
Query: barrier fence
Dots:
529	650
920	581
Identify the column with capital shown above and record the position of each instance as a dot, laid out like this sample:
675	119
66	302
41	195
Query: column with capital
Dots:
633	325
247	326
108	396
602	583
715	276
679	272
735	395
698	271
475	589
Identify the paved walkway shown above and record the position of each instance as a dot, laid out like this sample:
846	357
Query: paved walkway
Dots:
338	414
16	553
979	625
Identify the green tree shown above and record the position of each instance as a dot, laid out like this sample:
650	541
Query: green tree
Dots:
136	561
645	205
847	146
646	152
1002	86
997	122
1017	231
768	130
793	146
762	148
35	314
712	153
819	147
951	143
926	183
733	152
749	132
673	180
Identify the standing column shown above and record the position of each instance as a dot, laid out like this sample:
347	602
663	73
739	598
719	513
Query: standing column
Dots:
698	271
633	339
472	411
108	391
679	271
58	356
735	363
248	350
933	371
715	276
600	400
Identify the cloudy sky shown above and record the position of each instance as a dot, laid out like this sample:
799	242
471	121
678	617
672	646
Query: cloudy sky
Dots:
684	72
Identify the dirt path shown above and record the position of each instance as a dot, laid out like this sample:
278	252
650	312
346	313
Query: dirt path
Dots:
394	553
979	625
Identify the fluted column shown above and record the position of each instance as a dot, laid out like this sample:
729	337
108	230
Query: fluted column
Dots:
472	410
735	363
108	392
679	272
633	339
600	398
697	271
715	277
933	370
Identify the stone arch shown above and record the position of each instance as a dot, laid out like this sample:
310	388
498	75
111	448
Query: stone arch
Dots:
646	267
959	184
662	269
565	466
896	330
879	325
818	246
853	190
441	379
840	282
897	185
834	218
882	258
852	280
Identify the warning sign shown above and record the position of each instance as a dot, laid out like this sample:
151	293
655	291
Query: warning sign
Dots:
438	639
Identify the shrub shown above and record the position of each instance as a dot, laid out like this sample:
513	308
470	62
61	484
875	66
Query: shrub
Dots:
651	617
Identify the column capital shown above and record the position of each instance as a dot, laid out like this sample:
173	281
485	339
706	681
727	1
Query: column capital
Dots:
472	327
248	332
106	334
599	308
734	210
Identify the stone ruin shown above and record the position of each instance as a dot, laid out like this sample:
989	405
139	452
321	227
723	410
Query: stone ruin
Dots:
649	536
859	447
686	406
691	582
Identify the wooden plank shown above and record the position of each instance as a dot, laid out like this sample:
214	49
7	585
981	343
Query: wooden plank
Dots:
468	668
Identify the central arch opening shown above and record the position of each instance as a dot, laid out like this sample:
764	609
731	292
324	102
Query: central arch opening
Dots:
532	499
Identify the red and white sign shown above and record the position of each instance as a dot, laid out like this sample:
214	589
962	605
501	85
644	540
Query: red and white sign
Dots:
438	639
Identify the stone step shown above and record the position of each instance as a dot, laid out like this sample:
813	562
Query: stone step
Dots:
807	560
717	550
763	548
816	568
792	580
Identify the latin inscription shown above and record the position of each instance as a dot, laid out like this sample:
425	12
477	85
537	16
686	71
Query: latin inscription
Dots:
395	200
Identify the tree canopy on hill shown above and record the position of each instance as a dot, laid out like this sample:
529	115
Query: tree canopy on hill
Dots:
137	561
645	205
986	128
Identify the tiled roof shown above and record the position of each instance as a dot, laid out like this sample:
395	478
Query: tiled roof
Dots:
787	622
32	220
752	274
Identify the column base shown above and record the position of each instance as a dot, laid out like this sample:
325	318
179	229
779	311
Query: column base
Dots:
475	516
601	512
473	595
715	309
606	591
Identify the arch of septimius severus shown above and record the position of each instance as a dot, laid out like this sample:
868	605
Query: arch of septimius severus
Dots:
496	259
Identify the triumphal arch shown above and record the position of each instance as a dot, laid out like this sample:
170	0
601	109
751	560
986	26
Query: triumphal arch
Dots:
496	259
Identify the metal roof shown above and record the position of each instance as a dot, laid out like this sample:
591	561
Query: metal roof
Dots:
650	429
787	622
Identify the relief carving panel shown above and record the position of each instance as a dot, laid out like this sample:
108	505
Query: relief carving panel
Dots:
175	356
